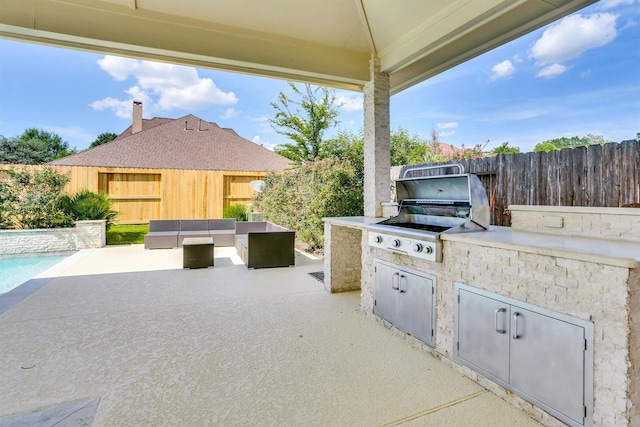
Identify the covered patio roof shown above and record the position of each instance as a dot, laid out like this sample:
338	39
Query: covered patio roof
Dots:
327	42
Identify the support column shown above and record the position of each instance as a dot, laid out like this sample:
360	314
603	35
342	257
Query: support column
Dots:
377	155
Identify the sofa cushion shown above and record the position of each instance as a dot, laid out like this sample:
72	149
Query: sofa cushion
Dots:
164	225
222	224
194	224
161	240
244	227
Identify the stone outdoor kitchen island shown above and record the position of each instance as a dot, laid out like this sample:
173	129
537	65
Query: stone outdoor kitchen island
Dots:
576	270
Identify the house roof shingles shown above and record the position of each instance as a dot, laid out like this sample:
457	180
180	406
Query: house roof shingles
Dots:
184	143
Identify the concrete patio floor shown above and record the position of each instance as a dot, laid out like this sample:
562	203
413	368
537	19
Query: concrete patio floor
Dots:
152	344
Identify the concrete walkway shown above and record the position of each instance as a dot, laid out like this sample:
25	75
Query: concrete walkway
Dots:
129	332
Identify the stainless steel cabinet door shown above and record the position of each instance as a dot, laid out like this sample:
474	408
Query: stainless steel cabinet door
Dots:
483	334
385	292
547	361
416	296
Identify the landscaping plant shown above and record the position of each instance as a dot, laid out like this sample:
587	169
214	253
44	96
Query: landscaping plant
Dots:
237	211
30	199
298	199
86	205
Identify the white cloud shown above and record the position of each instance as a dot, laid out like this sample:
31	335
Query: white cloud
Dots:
610	4
72	132
161	87
121	108
502	69
229	113
350	103
573	36
447	125
449	128
263	123
551	71
266	144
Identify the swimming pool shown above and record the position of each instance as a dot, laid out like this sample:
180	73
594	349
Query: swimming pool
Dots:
16	271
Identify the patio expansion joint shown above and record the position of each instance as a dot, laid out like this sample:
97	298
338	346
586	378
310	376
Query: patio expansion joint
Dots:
430	411
140	311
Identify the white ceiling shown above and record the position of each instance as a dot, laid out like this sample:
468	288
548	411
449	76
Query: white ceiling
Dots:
320	41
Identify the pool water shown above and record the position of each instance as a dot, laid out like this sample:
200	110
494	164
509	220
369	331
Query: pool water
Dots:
16	271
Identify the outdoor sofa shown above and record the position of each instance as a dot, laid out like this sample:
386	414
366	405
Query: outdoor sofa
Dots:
264	244
170	233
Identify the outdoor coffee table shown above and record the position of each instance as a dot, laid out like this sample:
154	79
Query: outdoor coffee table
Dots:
197	252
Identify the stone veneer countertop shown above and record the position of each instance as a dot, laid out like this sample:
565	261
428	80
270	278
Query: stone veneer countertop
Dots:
353	221
617	253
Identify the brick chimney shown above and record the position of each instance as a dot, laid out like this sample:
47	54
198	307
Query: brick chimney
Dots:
137	117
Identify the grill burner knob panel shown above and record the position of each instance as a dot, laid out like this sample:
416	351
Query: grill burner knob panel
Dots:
412	246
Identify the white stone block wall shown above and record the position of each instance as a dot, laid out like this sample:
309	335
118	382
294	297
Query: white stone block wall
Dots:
85	235
605	295
620	223
593	292
342	245
377	131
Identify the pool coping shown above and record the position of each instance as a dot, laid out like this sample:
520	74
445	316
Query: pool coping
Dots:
21	292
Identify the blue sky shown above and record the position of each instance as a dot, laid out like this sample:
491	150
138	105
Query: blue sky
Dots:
577	76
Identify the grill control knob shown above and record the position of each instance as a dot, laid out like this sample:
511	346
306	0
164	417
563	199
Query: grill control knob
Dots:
396	243
417	247
377	239
428	249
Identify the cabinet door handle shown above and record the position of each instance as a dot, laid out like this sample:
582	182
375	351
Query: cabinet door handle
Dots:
403	283
395	281
515	325
498	330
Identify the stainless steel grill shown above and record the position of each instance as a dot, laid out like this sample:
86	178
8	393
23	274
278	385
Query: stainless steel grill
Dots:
428	208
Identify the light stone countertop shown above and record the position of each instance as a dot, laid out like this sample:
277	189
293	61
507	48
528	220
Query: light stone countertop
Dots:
353	221
617	253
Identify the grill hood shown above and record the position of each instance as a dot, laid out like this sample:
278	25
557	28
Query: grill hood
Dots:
443	203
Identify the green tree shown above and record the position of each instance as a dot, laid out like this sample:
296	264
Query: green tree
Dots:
301	197
347	144
505	148
103	138
573	142
33	147
405	149
31	199
408	149
304	122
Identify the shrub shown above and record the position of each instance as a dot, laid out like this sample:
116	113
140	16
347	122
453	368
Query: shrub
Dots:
86	205
30	199
300	198
238	211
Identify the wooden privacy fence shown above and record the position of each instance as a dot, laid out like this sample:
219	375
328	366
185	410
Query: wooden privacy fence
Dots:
597	176
140	195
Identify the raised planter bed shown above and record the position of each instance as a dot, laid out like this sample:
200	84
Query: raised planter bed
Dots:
85	235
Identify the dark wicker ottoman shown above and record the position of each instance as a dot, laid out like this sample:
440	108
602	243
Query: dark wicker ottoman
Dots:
197	252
